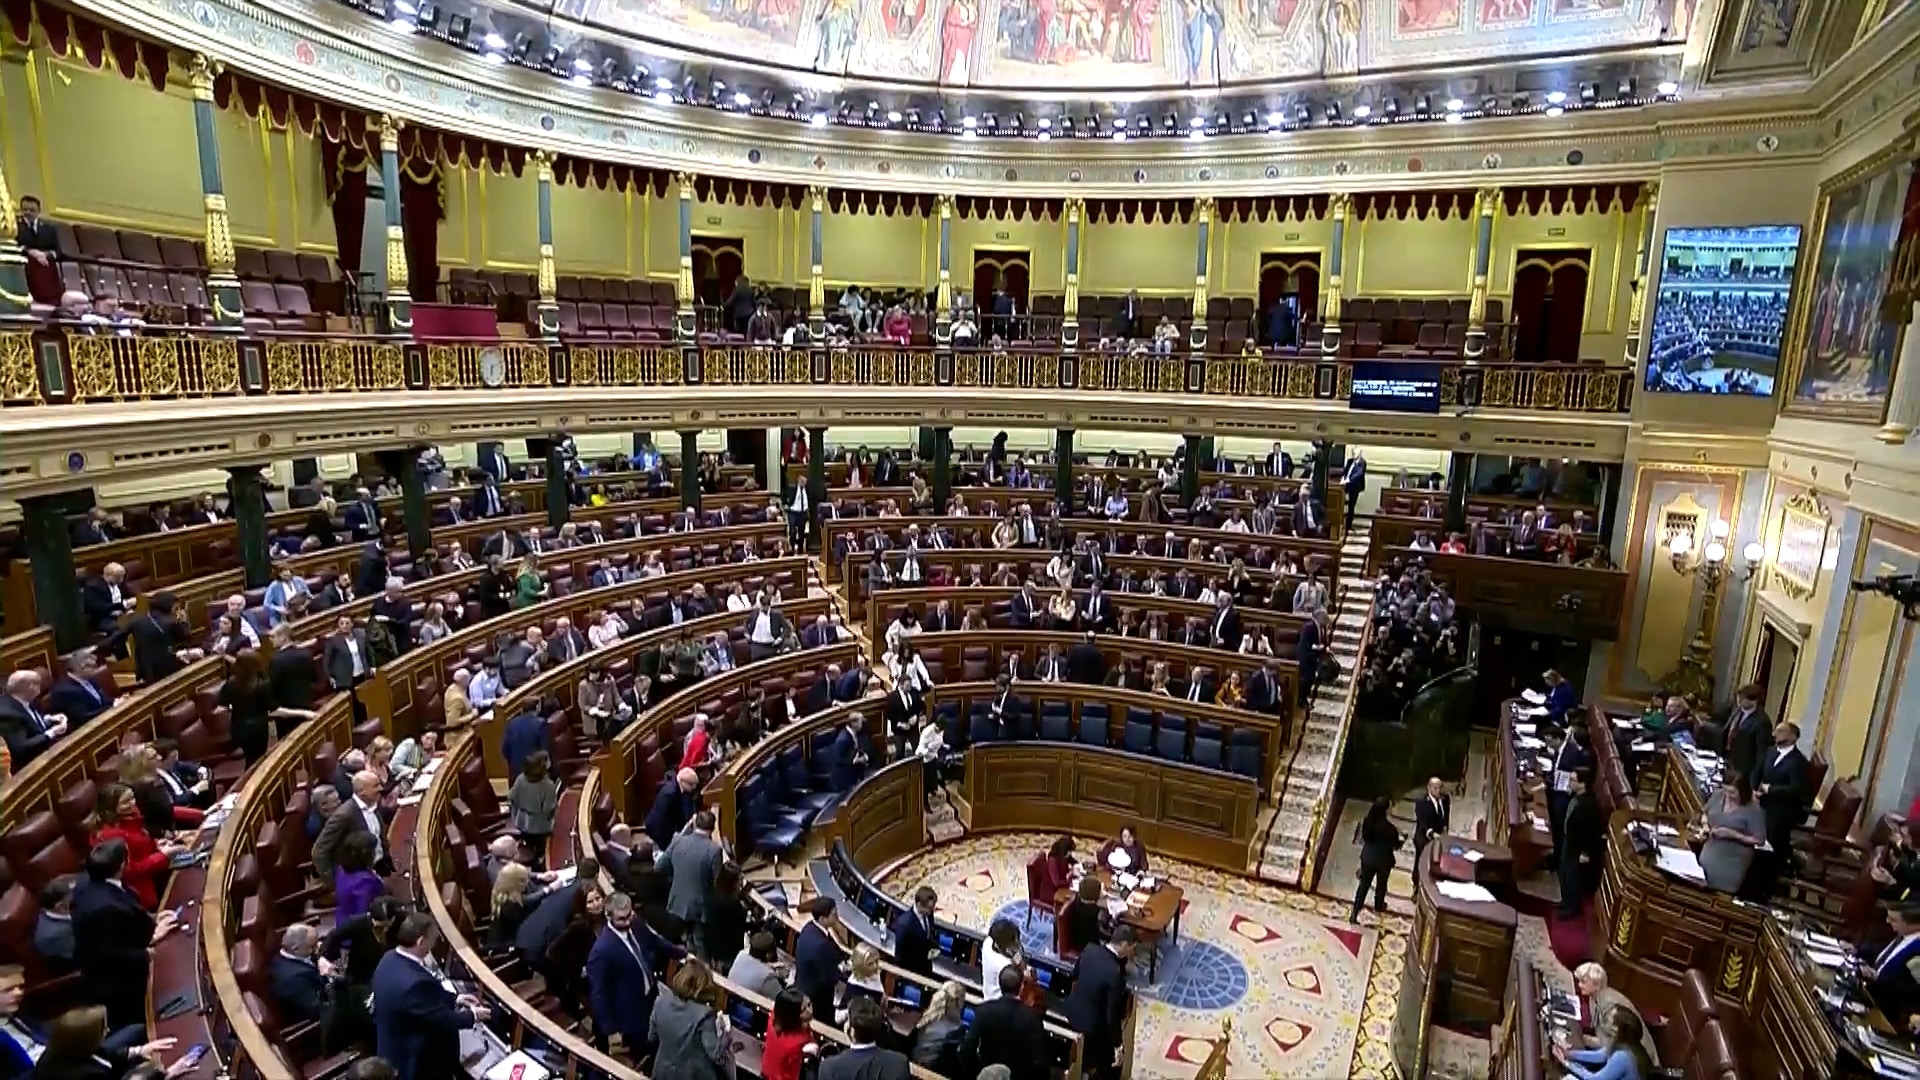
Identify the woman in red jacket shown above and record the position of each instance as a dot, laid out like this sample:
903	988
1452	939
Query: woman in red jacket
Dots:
116	816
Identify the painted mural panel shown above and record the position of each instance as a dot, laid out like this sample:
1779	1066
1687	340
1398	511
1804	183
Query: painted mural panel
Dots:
1046	44
1846	348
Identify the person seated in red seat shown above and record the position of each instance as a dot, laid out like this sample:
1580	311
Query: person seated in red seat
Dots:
1129	843
1058	867
116	816
898	326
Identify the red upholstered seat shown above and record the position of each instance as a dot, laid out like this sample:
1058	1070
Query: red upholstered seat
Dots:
1037	885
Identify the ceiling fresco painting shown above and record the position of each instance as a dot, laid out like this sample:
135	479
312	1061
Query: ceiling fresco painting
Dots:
1133	44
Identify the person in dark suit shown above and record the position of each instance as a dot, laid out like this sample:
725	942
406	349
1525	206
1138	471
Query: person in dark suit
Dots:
349	658
1432	816
1780	780
853	683
1354	479
417	1022
363	940
673	806
1748	731
866	1059
1379	839
104	597
1021	608
623	975
818	955
1279	462
1085	663
1007	1032
156	638
617	853
297	977
1263	688
494	463
361	812
95	528
1583	842
819	634
1306	654
362	515
913	933
37	237
28	731
74	695
523	736
113	936
1098	1002
1087	921
1225	632
1888	969
1571	756
290	678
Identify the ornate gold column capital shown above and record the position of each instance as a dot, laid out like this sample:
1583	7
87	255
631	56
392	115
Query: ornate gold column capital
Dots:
817	198
1076	209
543	165
1339	204
944	202
1203	209
390	126
1488	200
201	71
684	182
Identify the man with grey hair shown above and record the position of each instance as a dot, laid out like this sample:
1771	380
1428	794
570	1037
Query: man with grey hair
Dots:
623	975
28	731
692	865
242	625
361	813
298	976
73	694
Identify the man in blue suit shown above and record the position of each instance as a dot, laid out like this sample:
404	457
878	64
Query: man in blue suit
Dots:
524	734
623	976
1560	696
1099	1001
913	933
853	684
1354	480
818	956
849	761
417	1021
673	806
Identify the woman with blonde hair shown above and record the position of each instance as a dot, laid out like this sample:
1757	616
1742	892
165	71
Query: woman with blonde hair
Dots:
380	759
863	979
528	588
936	1038
78	1046
509	903
1003	535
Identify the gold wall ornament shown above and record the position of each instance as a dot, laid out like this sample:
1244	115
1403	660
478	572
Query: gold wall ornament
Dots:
1623	929
9	224
201	71
543	166
95	374
219	236
219	365
336	367
284	374
19	381
390	126
1801	548
1733	974
396	263
548	279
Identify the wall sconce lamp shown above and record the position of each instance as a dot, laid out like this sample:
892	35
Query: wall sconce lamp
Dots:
1709	561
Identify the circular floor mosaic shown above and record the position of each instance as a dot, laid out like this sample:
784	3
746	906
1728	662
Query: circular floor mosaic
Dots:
1191	974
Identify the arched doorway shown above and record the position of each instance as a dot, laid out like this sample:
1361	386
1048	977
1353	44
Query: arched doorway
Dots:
1291	278
718	262
1009	270
1550	304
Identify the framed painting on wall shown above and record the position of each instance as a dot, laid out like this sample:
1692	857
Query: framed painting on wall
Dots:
1843	347
1802	545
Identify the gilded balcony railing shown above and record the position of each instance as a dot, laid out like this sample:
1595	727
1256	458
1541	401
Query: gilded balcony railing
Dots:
56	368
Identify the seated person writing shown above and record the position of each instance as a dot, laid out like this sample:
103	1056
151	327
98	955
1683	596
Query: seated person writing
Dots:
1086	917
1129	844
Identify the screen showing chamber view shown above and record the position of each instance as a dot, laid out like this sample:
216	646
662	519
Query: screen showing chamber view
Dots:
1721	309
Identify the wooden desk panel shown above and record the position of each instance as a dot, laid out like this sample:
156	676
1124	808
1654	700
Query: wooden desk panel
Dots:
883	820
1531	594
1188	813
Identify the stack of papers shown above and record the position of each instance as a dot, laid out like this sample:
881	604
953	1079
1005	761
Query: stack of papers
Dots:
1680	862
1464	890
1528	742
1525	729
1533	697
1537	710
565	875
1624	723
1473	856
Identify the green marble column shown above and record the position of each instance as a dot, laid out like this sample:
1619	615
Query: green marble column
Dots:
1070	315
547	308
1190	472
817	264
1336	264
247	500
413	504
1486	204
1197	331
684	318
223	289
56	592
398	306
943	291
942	468
1063	471
689	479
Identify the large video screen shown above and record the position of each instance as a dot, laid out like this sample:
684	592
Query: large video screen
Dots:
1395	386
1721	310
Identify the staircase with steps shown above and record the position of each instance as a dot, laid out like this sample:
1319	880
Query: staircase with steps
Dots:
1308	780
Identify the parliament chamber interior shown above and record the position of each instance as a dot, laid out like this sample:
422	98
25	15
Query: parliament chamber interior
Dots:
967	538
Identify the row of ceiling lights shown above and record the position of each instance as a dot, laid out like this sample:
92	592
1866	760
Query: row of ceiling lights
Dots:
427	18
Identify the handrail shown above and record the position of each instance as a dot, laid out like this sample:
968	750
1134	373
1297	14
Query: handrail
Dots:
428	851
1325	816
1467	668
258	799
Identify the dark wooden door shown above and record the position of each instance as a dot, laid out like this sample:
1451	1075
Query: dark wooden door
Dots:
1008	270
1550	304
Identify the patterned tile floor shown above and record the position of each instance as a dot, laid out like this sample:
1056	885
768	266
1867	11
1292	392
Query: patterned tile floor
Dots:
1302	986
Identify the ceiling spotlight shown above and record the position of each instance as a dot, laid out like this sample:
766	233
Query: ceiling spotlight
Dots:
1628	89
1333	112
1120	134
1589	92
550	59
1423	105
1275	119
1361	112
400	7
492	57
663	97
579	79
1668	88
1120	123
522	47
1196	123
1556	97
818	119
1392	108
970	133
969	123
1302	115
1249	119
1453	118
582	64
1045	123
663	83
494	41
1455	104
893	116
402	23
1145	125
1044	136
1556	110
458	26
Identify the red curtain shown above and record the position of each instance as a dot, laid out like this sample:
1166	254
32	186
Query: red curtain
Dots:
420	214
1298	274
1549	305
349	194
